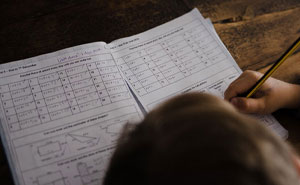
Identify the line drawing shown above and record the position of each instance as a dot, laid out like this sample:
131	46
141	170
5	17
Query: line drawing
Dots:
88	175
49	148
115	128
82	139
51	178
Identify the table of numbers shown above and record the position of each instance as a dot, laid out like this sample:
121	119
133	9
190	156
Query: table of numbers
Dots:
171	60
63	93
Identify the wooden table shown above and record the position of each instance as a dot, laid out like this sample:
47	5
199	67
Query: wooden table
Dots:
256	32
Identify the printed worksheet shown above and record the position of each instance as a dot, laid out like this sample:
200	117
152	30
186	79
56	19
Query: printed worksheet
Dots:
177	57
61	115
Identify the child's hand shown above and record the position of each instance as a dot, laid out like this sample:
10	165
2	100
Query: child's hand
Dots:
273	94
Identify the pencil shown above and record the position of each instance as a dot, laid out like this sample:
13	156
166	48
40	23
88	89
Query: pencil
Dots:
275	66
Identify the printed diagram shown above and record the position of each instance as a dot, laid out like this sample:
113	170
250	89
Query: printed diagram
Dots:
88	175
49	150
92	172
115	128
82	139
51	178
100	136
67	144
88	169
87	138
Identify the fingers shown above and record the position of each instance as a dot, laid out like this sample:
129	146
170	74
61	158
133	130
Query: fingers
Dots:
249	105
242	84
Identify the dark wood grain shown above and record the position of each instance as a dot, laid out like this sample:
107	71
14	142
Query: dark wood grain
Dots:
260	41
52	26
224	11
256	33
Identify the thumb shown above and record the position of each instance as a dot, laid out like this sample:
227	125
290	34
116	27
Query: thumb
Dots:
248	105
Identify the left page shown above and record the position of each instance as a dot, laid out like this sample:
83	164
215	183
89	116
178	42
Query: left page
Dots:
61	114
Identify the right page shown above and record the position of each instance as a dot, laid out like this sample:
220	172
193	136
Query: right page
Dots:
180	56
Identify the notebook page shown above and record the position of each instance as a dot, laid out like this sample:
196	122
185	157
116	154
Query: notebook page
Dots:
180	56
61	114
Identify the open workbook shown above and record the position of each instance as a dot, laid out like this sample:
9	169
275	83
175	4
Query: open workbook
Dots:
61	113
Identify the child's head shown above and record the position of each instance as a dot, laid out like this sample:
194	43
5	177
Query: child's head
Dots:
200	139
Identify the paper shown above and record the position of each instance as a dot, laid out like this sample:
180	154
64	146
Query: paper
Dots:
181	56
61	113
174	58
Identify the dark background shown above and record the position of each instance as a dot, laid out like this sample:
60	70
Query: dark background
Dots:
256	32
